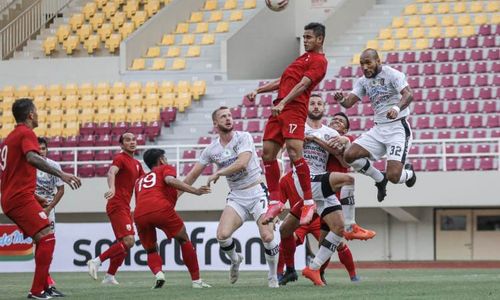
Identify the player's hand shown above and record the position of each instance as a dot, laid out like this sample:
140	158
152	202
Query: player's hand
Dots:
392	114
276	110
338	142
73	181
43	202
48	209
203	190
212	178
339	95
251	96
309	138
109	194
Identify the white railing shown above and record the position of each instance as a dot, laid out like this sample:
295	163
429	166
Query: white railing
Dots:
179	149
5	3
29	22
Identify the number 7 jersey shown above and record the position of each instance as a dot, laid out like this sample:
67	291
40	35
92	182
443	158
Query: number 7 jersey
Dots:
152	193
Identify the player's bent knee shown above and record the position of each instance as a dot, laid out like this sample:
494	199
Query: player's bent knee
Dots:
129	241
221	235
349	156
393	175
267	237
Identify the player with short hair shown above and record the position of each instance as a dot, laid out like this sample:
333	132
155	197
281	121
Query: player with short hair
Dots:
390	96
19	160
122	174
49	191
156	194
289	113
234	154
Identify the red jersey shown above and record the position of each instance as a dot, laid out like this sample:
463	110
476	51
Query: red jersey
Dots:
310	64
288	191
152	193
130	169
333	164
18	178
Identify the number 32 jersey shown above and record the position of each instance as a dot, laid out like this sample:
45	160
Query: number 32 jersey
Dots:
152	193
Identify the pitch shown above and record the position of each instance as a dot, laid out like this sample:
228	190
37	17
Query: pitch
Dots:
376	284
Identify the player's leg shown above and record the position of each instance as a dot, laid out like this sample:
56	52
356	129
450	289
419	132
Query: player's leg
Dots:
345	258
271	249
288	243
398	144
52	290
273	140
147	235
231	219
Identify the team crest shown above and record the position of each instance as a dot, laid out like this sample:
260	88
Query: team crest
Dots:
129	227
43	215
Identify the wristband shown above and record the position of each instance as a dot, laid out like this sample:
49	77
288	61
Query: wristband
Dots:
395	107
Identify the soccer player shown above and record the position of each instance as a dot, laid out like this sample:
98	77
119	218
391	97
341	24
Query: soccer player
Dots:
234	154
156	196
390	96
289	113
19	159
49	191
122	174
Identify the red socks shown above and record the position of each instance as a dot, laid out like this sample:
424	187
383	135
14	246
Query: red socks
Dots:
43	259
345	257
288	245
190	260
324	266
304	175
50	281
273	174
281	260
115	249
115	262
154	262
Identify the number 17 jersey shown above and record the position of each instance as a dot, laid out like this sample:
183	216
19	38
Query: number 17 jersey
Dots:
152	193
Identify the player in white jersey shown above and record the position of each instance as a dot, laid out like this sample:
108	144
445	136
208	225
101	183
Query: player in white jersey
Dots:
234	154
49	191
390	96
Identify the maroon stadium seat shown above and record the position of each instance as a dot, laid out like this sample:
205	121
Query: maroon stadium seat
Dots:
430	149
485	93
330	85
489	41
472	107
186	168
409	57
496	81
246	102
352	111
479	134
442	135
209	170
251	113
476	121
454	107
492	121
476	54
495	133
68	155
54	155
451	164
433	95
414	149
485	29
333	109
463	68
490	107
462	134
355	123
86	155
392	58
495	67
464	80
420	108
345	71
204	140
412	70
427	135
468	164
369	123
71	141
87	128
103	140
86	171
437	108
446	69
457	122
480	67
257	139
103	128
467	94
55	142
429	69
440	122
425	56
417	164
253	126
266	112
137	128
140	139
447	81
455	43
119	128
449	149
472	42
101	170
86	141
103	155
367	110
450	94
438	43
423	123
238	126
486	163
417	95
483	148
266	100
429	82
68	168
459	55
465	149
414	82
481	80
346	84
189	154
442	56
432	164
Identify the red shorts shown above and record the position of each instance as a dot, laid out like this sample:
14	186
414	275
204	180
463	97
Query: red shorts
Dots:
290	124
313	228
30	218
167	220
121	221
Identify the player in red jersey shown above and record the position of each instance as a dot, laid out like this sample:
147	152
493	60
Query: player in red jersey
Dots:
336	163
156	195
289	113
122	174
19	159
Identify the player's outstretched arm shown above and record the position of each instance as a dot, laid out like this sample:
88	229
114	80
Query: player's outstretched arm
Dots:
346	101
268	87
179	185
296	91
406	99
38	162
113	170
238	165
194	173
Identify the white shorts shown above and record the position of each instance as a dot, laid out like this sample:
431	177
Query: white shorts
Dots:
391	139
250	203
323	195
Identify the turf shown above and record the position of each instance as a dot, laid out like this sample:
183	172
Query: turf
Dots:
375	284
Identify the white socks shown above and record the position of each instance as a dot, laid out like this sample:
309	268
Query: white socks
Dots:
348	209
364	166
405	176
328	246
228	247
271	251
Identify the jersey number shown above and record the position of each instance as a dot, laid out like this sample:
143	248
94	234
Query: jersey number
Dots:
292	128
147	181
395	150
3	157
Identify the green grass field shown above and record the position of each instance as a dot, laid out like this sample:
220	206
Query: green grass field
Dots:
375	284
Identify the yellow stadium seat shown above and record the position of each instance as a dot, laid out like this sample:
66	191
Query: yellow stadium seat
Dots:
118	88
404	44
182	101
166	87
173	51
119	100
131	8
448	21
62	32
167	40
193	51
201	27
410	9
54	103
153	52
102	100
89	10
467	31
71	129
196	17
388	45
86	115
97	20
464	20
71	43
413	21
86	88
401	33
430	21
110	9
134	101
86	102
426	9
151	87
250	4
126	29
181	28
100	3
418	32
103	115
230	4
105	31
183	86
385	34
451	32
70	89
167	100
236	15
55	114
210	5
215	16
8	91
84	31
421	44
76	21
207	39
23	91
222	27
187	39
443	8
38	90
70	102
151	100
41	130
102	88
434	32
70	115
158	64
480	19
139	18
56	129
476	7
495	19
398	22
118	19
40	101
459	7
198	89
113	42
138	64
49	45
119	114
492	6
54	90
355	59
134	87
152	7
372	44
178	64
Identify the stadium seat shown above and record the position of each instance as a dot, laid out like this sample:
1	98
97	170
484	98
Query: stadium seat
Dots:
126	29
207	39
249	4
187	39
158	64
236	15
430	21
118	19
138	64
201	27
92	43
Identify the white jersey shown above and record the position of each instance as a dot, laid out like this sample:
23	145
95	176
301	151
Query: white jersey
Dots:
314	154
225	156
384	91
46	184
